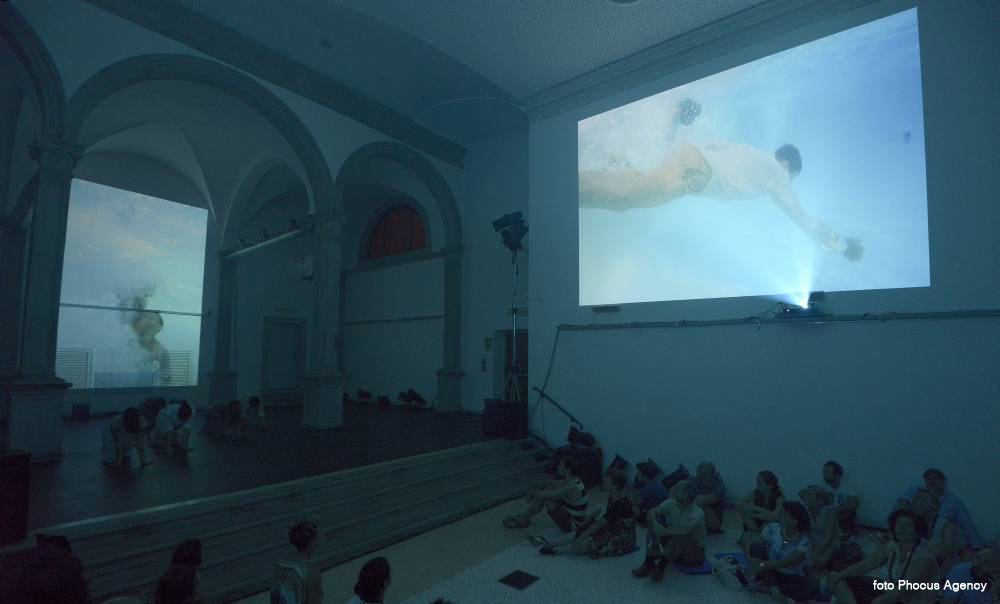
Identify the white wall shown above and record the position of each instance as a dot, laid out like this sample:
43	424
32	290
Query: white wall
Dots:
496	183
886	399
393	328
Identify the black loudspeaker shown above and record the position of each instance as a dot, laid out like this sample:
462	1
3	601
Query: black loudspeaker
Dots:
15	473
508	419
589	463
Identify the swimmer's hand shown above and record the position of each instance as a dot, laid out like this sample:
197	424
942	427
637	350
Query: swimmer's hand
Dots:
854	250
688	110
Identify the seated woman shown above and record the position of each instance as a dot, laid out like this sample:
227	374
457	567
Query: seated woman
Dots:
905	556
824	533
373	581
564	499
121	435
676	533
609	531
780	555
760	506
297	580
171	427
944	538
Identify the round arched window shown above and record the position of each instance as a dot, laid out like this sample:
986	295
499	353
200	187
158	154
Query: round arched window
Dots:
400	230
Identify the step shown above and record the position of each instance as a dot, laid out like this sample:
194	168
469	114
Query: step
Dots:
102	548
80	529
141	564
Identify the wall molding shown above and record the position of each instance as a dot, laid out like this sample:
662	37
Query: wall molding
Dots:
170	19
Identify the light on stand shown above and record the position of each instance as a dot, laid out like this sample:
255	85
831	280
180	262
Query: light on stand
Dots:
513	229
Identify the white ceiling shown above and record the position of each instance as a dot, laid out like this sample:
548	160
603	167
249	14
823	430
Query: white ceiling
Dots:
461	67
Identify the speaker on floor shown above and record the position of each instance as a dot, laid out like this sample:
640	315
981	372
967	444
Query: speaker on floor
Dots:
508	419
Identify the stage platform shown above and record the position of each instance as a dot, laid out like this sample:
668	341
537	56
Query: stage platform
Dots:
80	486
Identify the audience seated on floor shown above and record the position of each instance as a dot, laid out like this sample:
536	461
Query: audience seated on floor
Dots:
985	568
760	506
373	581
179	585
951	507
123	434
779	556
297	580
171	428
225	421
564	499
608	531
711	495
904	556
676	533
51	575
843	495
824	535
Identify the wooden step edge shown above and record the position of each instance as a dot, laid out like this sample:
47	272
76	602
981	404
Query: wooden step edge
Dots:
182	509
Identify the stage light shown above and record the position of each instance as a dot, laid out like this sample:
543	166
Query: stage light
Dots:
512	228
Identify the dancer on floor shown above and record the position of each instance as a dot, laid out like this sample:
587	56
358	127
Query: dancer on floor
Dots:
171	428
124	433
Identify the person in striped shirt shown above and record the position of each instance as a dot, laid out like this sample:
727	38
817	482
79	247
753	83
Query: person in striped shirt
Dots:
564	499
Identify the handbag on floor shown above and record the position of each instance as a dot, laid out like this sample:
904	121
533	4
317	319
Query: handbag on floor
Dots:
729	572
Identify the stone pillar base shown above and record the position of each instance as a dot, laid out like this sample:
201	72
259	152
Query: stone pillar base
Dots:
34	416
449	394
323	400
221	385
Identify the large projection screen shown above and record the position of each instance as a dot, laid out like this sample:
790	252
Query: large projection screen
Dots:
801	171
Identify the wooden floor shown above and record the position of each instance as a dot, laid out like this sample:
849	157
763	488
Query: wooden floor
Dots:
80	486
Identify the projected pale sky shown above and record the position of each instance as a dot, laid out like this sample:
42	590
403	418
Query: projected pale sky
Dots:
851	103
119	241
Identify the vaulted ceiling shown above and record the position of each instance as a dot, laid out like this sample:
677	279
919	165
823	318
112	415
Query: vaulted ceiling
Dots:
462	68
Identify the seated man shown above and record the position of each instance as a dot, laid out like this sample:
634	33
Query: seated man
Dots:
564	499
676	533
843	495
711	495
984	570
952	509
651	490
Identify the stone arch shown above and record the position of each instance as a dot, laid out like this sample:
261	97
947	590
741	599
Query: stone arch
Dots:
187	68
38	63
378	213
450	375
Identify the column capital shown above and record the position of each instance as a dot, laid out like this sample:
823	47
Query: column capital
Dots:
56	158
328	225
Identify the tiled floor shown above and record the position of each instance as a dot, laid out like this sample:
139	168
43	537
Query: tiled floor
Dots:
80	486
464	561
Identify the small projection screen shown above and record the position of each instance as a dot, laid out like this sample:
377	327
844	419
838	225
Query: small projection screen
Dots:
801	171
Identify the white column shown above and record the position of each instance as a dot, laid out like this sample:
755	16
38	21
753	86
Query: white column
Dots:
222	379
449	377
34	398
323	405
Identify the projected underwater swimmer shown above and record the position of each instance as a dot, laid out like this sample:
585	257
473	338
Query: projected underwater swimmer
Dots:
719	169
146	326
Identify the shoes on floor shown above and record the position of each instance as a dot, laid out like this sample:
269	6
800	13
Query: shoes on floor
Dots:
640	572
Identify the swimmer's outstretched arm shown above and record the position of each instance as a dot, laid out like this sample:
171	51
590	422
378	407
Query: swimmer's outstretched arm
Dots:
820	232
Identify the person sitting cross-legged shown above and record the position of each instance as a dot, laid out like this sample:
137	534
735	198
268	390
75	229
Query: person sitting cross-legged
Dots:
609	531
780	555
711	495
676	533
564	499
760	506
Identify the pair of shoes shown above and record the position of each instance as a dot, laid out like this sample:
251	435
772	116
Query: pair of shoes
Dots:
640	572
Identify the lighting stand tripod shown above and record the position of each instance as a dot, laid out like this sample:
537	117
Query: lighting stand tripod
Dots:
511	390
